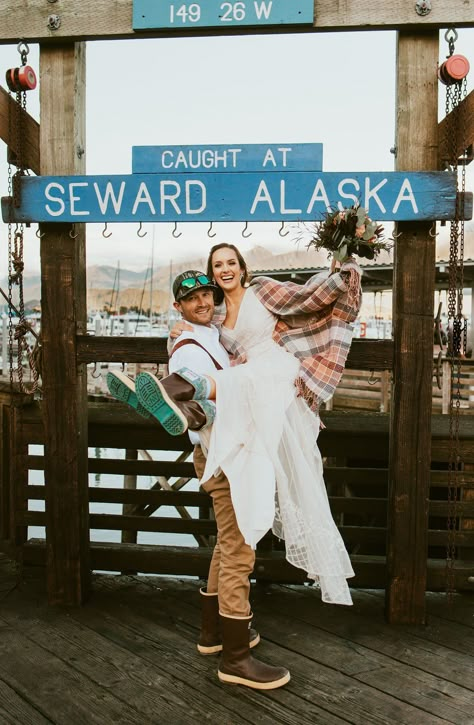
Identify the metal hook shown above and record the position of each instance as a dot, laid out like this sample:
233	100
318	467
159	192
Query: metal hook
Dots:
450	37
280	231
71	232
93	375
433	233
104	232
139	230
373	380
175	230
23	49
396	236
210	230
39	234
245	236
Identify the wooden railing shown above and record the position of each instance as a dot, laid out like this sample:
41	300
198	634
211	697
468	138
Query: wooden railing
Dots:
372	389
355	447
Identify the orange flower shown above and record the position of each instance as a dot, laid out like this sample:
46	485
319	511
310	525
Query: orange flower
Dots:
360	231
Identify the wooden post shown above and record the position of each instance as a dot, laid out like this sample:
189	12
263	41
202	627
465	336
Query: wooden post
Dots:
63	316
413	285
129	483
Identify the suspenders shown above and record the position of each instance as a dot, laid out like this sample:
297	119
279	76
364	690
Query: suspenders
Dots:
189	341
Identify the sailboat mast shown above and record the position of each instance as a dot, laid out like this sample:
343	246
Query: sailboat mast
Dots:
151	276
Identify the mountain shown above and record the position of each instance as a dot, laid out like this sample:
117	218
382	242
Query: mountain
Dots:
134	287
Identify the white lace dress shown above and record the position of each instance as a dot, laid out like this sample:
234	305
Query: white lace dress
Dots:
264	439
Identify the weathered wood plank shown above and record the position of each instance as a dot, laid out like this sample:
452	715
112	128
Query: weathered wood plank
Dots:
18	474
455	635
138	635
128	467
147	689
465	118
363	355
31	143
422	673
330	663
410	439
64	315
101	19
66	696
14	710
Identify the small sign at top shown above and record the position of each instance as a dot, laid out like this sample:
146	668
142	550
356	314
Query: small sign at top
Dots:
149	14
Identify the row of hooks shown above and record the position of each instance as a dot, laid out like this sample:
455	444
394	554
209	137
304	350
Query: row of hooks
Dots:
210	233
106	234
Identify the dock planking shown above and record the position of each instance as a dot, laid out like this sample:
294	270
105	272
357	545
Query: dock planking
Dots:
128	656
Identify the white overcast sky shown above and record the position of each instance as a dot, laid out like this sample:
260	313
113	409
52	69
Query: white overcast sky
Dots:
336	89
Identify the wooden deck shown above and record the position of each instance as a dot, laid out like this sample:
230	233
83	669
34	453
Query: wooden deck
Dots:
128	656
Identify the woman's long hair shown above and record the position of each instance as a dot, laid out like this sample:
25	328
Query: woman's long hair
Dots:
245	278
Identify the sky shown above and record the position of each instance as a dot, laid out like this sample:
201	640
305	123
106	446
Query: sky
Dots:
334	89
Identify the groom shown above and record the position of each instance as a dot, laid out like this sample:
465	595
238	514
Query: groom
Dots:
228	586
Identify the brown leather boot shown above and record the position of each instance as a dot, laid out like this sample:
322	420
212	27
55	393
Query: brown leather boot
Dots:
176	416
210	639
237	666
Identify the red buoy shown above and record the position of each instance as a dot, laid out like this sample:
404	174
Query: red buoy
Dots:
454	69
21	79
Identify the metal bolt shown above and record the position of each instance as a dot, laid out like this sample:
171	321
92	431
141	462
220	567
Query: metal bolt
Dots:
79	151
394	150
423	7
54	22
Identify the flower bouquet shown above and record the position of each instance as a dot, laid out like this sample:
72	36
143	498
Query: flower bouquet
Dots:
348	232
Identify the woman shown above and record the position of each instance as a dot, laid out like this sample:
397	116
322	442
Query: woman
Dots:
294	340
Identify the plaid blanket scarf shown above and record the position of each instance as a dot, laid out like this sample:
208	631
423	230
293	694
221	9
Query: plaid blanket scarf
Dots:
314	323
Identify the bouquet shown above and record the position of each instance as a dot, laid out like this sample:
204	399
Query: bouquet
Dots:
347	232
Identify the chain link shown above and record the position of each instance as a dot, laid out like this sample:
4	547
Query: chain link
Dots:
16	124
457	325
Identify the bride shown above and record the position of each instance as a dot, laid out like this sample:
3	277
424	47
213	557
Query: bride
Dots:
293	340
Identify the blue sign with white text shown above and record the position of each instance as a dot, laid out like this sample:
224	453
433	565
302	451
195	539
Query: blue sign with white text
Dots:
221	157
149	14
287	196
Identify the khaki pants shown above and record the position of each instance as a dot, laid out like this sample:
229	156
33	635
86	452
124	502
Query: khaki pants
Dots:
233	560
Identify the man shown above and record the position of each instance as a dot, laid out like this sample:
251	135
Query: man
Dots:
228	585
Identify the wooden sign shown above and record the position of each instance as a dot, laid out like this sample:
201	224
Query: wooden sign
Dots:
289	196
212	158
149	14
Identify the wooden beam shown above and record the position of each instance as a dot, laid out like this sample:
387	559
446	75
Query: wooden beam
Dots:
102	19
364	354
31	148
464	119
63	299
413	285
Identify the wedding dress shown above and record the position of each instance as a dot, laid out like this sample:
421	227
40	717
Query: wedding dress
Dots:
265	440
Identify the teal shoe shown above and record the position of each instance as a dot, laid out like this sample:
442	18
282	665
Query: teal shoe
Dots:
122	388
154	398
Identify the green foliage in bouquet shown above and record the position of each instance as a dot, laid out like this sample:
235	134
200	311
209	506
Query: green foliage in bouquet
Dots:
349	232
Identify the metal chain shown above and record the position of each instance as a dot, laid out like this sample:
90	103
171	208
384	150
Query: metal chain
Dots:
15	242
457	324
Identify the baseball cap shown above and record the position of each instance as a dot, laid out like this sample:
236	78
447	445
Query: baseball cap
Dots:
189	281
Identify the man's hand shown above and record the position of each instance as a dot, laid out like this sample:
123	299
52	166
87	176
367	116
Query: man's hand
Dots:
179	327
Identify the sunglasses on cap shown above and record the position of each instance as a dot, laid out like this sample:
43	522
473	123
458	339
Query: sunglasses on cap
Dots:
191	282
